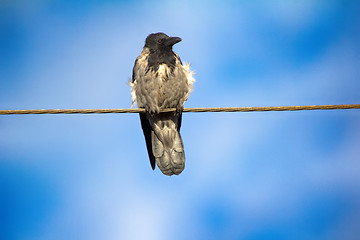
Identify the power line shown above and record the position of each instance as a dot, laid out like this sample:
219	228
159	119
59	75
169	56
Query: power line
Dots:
219	109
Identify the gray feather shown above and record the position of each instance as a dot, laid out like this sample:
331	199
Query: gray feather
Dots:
167	145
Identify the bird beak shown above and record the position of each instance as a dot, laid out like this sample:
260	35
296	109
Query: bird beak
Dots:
172	40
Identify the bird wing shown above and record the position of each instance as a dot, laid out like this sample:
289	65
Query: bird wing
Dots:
134	69
179	120
145	125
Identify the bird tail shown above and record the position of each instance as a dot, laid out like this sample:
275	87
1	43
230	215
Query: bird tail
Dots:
168	148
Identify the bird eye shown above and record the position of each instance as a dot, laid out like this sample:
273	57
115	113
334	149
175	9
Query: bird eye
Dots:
160	40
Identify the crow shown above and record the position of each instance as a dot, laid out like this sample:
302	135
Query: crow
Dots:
161	81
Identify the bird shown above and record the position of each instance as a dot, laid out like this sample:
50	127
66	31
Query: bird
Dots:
160	81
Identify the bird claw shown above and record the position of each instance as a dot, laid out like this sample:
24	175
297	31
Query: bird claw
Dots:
179	109
153	111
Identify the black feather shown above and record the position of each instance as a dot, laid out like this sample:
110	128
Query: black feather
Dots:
160	46
133	73
179	121
145	125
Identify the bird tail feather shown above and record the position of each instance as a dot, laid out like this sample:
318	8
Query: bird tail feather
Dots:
168	149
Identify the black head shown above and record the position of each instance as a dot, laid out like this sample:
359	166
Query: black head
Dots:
160	41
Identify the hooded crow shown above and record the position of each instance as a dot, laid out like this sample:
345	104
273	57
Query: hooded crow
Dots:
161	81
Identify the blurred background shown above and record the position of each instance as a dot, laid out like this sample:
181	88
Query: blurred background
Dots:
269	175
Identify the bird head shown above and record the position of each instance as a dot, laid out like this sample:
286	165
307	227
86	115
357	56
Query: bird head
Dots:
160	41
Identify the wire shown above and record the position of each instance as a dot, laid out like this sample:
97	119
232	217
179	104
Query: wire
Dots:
219	109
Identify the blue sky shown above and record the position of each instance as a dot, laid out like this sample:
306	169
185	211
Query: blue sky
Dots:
284	175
